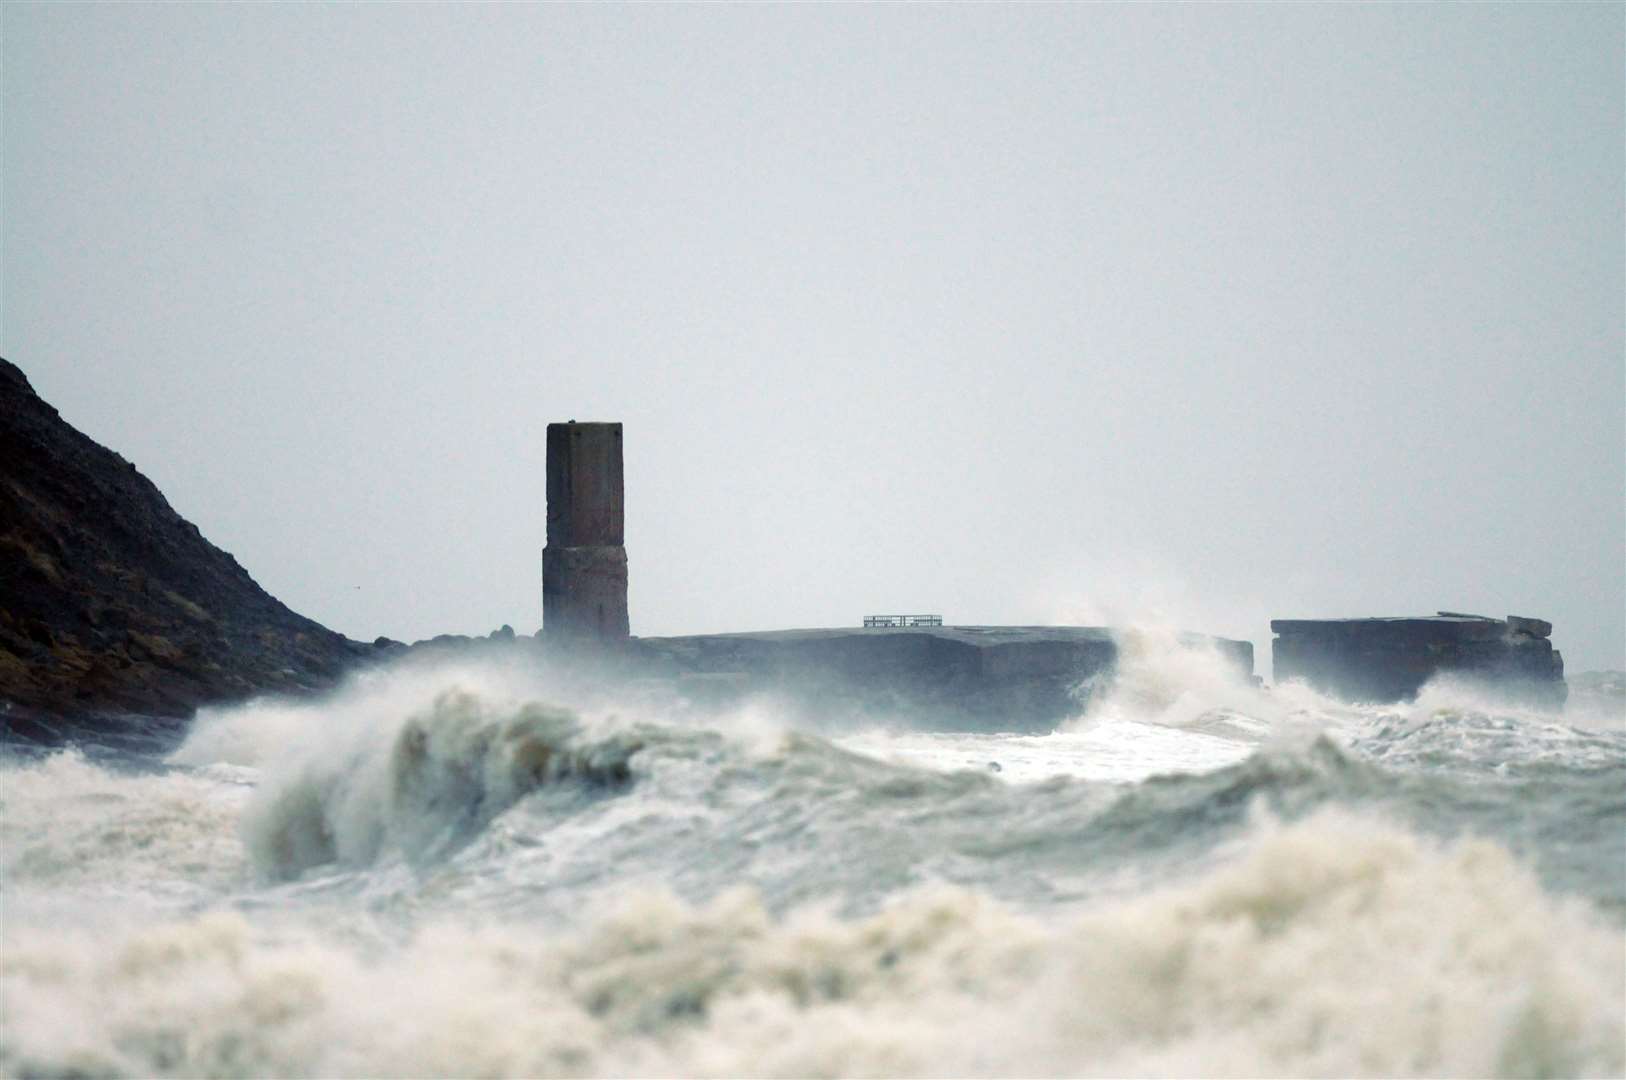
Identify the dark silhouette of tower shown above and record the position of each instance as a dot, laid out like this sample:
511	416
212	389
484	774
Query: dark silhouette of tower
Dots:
584	566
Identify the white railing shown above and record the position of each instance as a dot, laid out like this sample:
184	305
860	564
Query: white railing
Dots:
895	621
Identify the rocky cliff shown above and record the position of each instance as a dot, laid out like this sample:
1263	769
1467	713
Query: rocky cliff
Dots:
111	602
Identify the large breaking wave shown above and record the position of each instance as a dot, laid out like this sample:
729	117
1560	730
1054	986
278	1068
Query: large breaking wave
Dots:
458	870
1333	946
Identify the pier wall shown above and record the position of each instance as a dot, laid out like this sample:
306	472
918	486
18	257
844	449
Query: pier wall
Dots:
1390	659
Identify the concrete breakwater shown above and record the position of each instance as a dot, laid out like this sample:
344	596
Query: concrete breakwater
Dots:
951	677
1389	659
1026	677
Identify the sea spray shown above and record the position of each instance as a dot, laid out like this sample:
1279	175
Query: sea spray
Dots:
505	872
444	774
1165	678
131	836
732	795
1337	945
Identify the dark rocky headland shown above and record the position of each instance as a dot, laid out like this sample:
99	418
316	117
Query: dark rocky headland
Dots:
111	603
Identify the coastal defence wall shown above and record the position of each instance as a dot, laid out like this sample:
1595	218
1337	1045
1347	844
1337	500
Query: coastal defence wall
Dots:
1027	678
1385	660
584	565
1014	677
968	676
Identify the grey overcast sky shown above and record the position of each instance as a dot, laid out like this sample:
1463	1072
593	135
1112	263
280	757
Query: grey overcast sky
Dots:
1014	313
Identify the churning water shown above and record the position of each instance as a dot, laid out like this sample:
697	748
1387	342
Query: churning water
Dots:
482	870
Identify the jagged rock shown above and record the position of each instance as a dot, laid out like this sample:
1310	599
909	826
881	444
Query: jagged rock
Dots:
112	602
444	641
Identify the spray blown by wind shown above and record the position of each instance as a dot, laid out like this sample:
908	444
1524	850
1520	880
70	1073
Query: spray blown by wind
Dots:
560	877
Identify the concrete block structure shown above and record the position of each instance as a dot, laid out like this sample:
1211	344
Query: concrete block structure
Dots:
1389	659
944	678
584	565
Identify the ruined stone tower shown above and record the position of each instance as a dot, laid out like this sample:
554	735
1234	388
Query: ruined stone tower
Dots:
584	566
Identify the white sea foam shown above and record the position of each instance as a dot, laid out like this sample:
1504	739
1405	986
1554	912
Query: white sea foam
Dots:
1163	678
73	827
372	704
1170	704
411	760
1335	946
1113	751
136	940
1594	702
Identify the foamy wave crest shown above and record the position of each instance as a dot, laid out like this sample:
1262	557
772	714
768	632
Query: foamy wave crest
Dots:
1334	946
424	784
269	730
68	823
411	760
1165	678
1591	709
1460	738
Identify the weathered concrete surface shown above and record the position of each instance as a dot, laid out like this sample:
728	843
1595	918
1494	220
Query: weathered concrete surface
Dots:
1389	659
584	566
586	488
987	677
584	593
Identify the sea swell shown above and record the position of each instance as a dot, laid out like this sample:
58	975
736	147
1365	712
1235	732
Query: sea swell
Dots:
461	870
543	797
442	778
1335	945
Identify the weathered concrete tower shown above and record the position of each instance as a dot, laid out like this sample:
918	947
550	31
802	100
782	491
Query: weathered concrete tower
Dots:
584	566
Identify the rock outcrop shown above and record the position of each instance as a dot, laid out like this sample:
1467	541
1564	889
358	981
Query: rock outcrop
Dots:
1389	659
111	602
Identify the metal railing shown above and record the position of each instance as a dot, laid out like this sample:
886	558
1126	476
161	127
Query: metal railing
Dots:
871	621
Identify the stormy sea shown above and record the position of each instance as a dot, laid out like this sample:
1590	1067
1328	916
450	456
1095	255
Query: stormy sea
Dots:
479	867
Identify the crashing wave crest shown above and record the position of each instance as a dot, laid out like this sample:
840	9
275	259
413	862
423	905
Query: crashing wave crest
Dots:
1333	946
436	779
